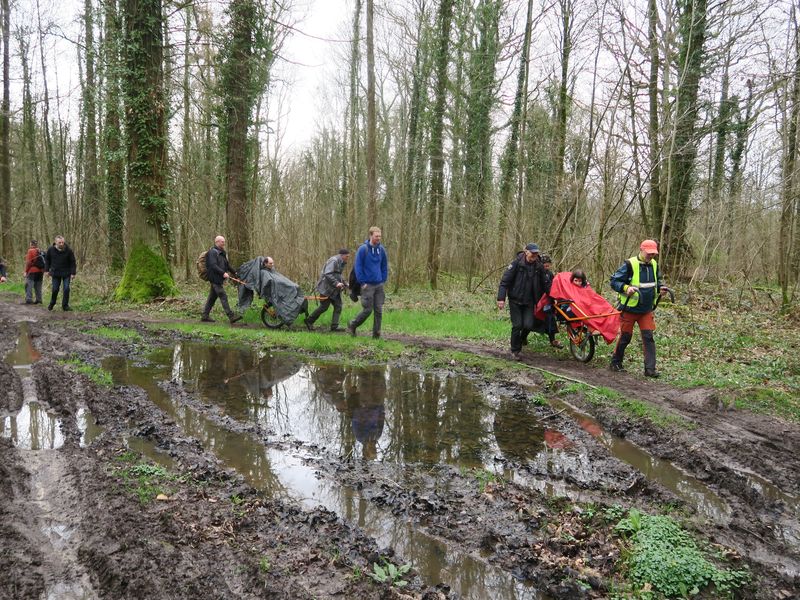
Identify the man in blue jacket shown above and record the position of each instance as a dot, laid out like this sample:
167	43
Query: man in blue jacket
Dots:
638	284
372	271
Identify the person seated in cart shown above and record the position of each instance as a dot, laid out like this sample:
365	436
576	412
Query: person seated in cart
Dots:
260	277
574	301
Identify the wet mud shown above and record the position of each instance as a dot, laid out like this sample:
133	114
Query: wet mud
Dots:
290	476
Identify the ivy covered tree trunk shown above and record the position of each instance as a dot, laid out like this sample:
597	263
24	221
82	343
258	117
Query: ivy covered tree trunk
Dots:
674	216
372	187
478	161
5	126
437	143
147	274
91	198
511	156
112	142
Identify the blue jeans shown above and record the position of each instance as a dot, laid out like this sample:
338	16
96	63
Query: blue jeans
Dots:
57	283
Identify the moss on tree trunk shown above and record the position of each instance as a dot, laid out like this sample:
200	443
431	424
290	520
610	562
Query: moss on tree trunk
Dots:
147	276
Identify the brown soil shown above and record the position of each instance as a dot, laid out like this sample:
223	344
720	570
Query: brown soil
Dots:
72	528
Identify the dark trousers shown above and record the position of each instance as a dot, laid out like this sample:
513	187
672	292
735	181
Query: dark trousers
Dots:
521	323
57	283
33	285
217	291
372	299
336	301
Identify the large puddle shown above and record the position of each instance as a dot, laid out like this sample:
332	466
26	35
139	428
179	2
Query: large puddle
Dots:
390	414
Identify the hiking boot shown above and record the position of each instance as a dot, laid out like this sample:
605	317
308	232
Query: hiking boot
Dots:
28	301
66	308
351	330
616	367
49	307
337	329
206	319
234	318
376	335
652	373
309	324
516	355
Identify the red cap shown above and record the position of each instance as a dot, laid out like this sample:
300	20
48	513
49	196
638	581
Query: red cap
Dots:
649	246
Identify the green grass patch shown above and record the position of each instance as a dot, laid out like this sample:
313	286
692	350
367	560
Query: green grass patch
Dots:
637	409
466	362
663	560
146	480
97	374
14	287
116	333
323	343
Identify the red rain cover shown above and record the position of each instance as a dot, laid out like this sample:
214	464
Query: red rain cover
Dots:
589	301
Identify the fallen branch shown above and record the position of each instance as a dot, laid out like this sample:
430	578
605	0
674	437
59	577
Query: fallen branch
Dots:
572	379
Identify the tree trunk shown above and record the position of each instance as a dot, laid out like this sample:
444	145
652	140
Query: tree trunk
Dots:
692	25
352	200
372	202
511	156
147	273
445	19
50	175
113	140
656	202
5	126
91	197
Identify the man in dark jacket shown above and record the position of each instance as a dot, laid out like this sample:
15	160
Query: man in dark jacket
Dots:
524	283
3	273
218	270
372	271
638	283
330	285
60	266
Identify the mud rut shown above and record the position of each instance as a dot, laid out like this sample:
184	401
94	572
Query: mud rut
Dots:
71	529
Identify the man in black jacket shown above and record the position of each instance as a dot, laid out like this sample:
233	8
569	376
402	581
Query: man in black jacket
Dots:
524	283
60	266
3	274
218	270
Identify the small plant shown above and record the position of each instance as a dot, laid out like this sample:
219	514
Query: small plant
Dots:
390	573
484	477
96	374
664	558
264	565
538	400
145	480
613	513
357	574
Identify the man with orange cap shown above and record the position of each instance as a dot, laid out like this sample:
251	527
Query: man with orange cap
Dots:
637	282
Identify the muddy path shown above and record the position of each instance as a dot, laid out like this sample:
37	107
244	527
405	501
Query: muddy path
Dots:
500	520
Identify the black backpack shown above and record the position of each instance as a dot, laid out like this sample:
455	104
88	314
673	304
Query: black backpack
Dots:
38	262
355	287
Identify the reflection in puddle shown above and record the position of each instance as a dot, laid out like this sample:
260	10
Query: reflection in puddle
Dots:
283	475
388	414
33	428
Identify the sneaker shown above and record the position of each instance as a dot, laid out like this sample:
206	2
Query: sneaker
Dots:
309	324
66	308
556	344
337	329
206	319
234	318
652	373
616	367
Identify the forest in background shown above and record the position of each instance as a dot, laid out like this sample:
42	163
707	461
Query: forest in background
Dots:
463	128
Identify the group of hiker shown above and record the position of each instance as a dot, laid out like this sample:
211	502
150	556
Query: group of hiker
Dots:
527	280
57	263
524	284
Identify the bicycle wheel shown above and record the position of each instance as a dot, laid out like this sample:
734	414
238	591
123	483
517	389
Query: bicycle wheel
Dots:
269	316
581	345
